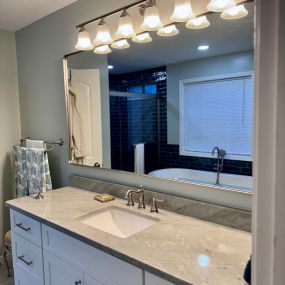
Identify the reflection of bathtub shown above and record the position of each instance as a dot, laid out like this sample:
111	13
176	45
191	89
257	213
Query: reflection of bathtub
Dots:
205	177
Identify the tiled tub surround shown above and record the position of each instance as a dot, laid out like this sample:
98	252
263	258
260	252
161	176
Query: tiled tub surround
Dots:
229	217
169	156
179	249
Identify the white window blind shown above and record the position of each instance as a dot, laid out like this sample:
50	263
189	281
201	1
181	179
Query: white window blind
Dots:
219	113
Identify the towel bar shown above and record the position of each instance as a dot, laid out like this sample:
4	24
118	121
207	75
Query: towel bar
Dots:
53	143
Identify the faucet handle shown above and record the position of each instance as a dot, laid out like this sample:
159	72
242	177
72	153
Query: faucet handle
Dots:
222	153
154	208
129	196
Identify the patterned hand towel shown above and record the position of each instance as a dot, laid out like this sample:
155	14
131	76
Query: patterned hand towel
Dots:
31	171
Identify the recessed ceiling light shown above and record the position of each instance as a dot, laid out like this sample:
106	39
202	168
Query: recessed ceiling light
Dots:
110	67
204	47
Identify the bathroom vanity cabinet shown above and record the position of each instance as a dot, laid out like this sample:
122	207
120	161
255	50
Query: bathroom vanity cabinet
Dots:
44	255
53	246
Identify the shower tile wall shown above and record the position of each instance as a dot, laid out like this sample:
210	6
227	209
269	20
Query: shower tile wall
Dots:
133	122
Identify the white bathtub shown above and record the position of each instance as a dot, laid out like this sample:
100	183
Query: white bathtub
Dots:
205	177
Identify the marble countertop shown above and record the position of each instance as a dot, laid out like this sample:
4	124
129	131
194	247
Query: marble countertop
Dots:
180	249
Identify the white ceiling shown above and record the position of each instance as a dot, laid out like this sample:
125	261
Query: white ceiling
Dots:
17	14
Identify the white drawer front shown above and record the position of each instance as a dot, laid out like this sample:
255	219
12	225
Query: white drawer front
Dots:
103	264
27	259
26	227
151	279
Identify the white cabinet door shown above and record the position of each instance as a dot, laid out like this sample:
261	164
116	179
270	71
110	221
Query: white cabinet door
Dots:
59	272
151	279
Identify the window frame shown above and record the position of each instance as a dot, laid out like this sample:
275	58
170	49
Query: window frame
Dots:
182	84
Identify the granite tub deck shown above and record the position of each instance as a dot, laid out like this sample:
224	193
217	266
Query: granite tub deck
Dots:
180	249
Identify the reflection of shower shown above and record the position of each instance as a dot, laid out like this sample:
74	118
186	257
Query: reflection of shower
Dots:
135	118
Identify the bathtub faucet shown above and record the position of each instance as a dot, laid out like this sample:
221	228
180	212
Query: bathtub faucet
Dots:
221	153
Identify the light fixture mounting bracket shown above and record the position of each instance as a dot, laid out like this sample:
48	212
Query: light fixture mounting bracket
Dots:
146	5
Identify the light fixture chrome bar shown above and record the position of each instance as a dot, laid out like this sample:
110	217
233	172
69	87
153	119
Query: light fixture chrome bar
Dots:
111	13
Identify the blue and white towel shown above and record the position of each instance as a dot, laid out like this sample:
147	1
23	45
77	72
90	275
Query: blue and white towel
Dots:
31	171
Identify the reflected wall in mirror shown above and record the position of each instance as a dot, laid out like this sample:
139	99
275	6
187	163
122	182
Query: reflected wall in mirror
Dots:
178	107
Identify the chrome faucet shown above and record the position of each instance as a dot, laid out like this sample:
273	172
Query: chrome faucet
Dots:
129	196
221	153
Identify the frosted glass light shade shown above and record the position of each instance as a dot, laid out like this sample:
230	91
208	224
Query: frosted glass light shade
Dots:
142	38
220	5
152	20
121	44
84	42
235	13
103	34
182	11
125	28
102	49
168	31
198	23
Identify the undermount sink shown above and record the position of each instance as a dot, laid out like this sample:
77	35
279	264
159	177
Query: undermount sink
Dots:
117	221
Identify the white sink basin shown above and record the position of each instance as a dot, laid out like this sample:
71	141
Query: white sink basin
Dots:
117	221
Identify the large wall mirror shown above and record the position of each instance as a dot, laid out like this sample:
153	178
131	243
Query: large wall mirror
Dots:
179	107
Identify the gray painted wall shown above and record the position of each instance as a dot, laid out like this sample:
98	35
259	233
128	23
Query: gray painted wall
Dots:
9	122
232	63
40	48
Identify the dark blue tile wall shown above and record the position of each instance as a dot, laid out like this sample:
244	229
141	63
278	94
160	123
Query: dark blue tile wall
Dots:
138	127
134	119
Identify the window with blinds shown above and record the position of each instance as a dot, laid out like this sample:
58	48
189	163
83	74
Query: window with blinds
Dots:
217	112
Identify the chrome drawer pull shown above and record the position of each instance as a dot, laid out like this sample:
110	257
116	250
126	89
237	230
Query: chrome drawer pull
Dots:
22	258
77	282
20	225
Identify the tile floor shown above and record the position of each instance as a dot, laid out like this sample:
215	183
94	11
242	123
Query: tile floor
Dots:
4	280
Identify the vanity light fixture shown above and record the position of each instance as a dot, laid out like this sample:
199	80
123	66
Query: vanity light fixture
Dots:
84	42
236	12
121	44
203	47
142	38
152	20
198	23
125	28
168	31
103	34
182	11
221	5
104	49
